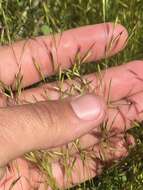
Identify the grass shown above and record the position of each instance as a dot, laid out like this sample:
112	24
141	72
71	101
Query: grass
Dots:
21	19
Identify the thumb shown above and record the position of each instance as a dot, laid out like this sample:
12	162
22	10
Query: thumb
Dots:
47	124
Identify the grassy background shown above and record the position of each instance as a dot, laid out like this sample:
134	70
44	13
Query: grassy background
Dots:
24	18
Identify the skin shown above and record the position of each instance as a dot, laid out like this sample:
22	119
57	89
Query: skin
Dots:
126	105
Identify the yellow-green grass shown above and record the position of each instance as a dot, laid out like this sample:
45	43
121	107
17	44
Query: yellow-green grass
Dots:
24	18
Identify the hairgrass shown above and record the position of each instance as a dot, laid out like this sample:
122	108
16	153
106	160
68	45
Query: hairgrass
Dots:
23	19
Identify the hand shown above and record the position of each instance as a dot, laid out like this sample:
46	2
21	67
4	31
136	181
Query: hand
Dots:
125	79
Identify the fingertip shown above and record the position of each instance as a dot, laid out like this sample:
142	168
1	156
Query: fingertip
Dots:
117	38
88	107
130	140
123	35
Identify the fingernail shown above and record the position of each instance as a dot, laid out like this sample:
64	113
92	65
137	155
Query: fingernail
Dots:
88	107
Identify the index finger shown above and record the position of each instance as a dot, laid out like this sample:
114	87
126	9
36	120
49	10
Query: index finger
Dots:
50	52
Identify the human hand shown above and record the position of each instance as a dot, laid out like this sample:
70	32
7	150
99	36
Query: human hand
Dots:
123	80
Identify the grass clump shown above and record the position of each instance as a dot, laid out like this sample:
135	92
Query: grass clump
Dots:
23	19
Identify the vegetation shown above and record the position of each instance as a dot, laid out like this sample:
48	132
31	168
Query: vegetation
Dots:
25	18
